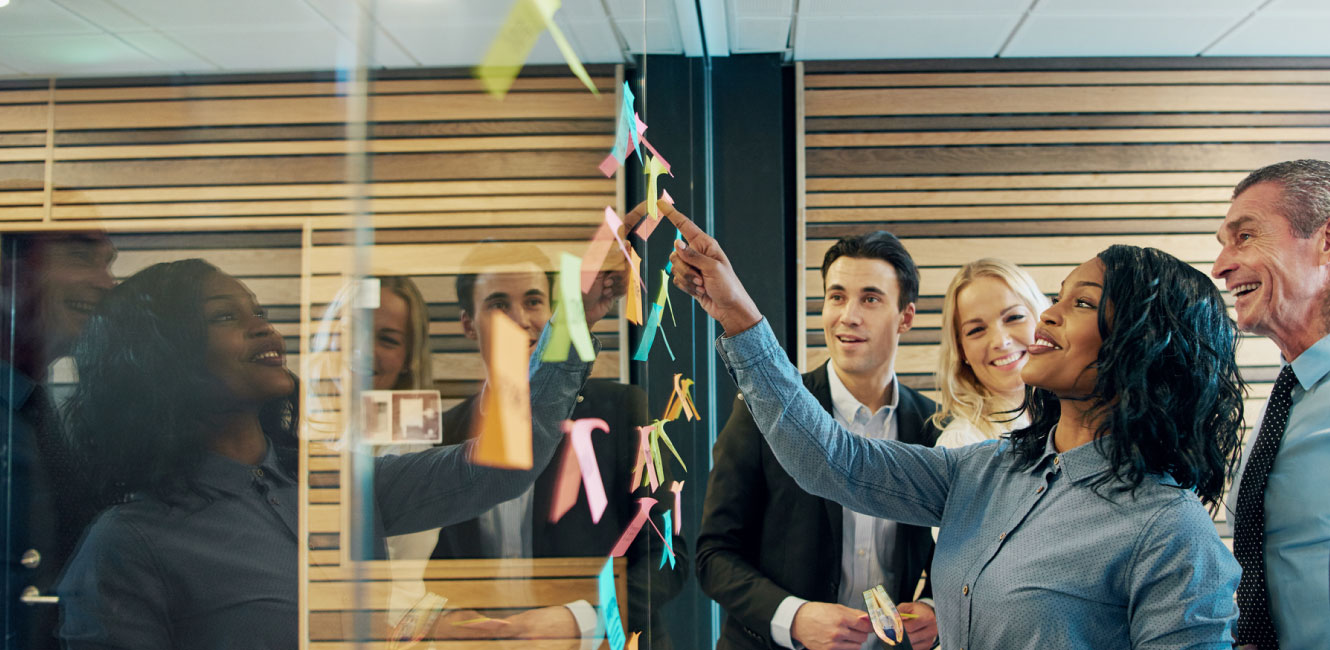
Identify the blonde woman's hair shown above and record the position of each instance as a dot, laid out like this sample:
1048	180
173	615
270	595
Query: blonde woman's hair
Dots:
960	393
419	371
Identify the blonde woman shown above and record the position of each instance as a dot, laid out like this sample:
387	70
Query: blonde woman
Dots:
988	321
402	362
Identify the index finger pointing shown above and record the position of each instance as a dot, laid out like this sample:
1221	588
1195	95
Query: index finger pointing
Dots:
686	227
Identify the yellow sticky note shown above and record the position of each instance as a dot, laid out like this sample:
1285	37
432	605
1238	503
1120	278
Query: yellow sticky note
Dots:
632	641
568	325
652	169
519	33
505	418
633	304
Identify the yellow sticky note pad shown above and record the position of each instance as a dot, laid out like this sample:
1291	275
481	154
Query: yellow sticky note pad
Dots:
505	417
511	47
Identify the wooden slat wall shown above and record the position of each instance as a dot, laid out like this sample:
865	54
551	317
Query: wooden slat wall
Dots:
1044	168
251	174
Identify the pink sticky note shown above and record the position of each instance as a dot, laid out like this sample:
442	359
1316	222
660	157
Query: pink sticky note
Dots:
614	223
645	227
641	128
643	515
595	255
665	196
609	165
644	457
677	488
580	431
566	486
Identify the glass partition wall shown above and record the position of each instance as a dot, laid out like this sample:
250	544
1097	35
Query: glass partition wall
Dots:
283	354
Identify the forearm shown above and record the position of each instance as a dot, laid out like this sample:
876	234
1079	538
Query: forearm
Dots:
887	479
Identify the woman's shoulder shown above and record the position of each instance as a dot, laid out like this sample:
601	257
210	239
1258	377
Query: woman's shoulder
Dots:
960	432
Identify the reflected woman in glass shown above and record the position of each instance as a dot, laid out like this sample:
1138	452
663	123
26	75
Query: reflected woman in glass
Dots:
988	321
1087	529
184	402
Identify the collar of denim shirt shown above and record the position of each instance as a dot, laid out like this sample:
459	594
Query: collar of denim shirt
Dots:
233	477
1080	463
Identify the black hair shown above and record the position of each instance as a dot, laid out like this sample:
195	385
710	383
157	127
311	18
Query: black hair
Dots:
139	414
882	245
1168	389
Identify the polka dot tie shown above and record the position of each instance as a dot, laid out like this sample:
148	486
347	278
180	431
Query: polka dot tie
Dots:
1254	624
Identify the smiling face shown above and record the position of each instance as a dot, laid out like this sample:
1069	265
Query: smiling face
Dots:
861	317
994	328
392	339
1067	340
1278	279
71	275
523	296
244	353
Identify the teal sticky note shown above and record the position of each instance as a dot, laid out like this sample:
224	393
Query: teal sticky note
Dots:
609	606
649	333
626	128
669	540
568	326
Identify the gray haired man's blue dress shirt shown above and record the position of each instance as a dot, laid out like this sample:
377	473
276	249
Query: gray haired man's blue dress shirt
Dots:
1030	558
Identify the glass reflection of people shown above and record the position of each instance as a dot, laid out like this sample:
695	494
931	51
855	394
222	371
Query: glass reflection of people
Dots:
511	280
789	566
51	283
1086	529
402	361
185	401
988	321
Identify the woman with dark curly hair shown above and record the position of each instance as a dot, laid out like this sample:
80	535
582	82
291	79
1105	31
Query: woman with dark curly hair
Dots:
1087	529
184	404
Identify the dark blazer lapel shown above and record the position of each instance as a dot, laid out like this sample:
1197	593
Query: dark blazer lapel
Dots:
820	387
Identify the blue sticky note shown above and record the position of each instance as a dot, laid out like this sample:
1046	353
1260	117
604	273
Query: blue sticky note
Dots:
649	333
626	128
669	539
609	606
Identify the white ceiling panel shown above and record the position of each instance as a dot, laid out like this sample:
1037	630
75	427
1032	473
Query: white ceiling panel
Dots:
1282	34
761	8
36	17
219	14
593	40
272	48
901	37
662	36
1146	7
169	52
1278	6
102	13
84	55
824	8
749	35
1090	35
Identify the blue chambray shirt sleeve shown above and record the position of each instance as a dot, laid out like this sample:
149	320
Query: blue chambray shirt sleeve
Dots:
882	478
1182	582
440	487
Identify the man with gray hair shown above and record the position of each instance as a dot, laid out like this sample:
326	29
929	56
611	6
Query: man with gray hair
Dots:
1276	263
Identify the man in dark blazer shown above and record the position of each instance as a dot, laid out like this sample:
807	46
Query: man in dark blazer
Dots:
51	283
525	530
789	568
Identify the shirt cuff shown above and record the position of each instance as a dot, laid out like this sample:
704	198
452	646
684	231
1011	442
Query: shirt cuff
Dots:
782	622
585	615
749	347
928	601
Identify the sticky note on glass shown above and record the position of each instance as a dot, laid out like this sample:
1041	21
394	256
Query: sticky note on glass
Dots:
669	541
568	326
594	259
609	606
579	442
633	303
644	461
511	47
882	613
504	424
653	168
681	400
677	488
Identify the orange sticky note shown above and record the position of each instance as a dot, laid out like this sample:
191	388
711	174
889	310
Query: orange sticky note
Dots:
505	412
632	641
633	303
681	400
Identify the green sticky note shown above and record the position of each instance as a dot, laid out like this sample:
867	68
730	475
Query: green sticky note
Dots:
568	327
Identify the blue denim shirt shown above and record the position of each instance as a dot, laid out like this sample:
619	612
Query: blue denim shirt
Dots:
1030	558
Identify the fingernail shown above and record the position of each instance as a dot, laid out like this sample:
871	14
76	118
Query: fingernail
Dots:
680	245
